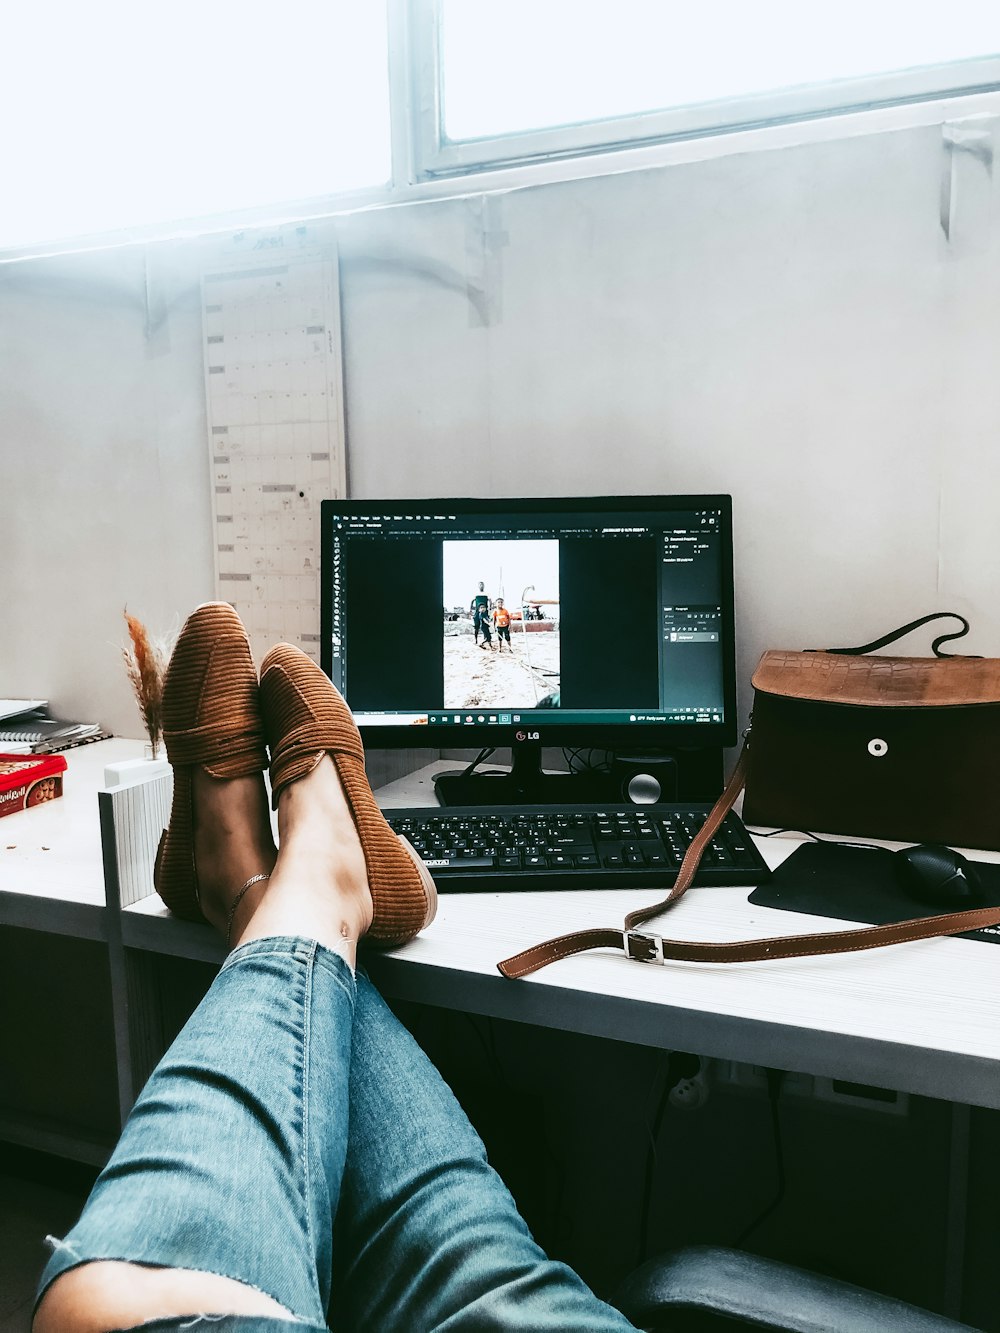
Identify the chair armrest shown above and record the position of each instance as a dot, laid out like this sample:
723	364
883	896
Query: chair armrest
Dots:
722	1288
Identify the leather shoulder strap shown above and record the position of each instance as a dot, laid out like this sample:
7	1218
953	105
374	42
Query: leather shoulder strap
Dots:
649	948
696	850
646	947
549	951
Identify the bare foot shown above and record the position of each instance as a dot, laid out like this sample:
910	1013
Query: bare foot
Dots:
232	843
319	887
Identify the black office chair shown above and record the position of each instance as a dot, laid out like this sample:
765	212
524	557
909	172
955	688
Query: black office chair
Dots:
708	1289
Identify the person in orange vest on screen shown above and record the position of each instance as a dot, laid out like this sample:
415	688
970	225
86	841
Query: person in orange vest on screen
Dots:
501	618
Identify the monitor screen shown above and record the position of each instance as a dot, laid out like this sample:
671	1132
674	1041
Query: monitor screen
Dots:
603	622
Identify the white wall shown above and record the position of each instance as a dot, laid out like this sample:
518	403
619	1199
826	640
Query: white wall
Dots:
792	326
105	471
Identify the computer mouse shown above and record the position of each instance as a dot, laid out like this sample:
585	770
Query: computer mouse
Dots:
936	875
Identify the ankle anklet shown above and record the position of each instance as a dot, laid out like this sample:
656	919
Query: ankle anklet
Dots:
254	879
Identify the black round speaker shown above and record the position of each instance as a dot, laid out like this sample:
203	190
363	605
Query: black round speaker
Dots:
644	779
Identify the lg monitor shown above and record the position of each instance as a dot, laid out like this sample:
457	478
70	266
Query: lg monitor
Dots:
593	624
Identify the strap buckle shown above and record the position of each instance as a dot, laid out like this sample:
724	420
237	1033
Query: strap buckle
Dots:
642	948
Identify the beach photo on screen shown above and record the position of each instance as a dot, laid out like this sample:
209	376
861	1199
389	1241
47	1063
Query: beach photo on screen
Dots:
500	603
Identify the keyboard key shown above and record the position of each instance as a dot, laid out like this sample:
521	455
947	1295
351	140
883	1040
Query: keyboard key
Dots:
439	864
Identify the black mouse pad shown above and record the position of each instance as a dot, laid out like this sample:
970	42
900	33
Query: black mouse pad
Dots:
859	884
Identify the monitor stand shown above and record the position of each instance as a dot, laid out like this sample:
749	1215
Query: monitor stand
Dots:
698	777
525	784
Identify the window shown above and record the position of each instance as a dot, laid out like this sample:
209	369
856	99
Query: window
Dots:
118	115
539	78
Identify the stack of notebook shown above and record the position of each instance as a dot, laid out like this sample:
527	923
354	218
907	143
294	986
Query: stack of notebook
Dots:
27	727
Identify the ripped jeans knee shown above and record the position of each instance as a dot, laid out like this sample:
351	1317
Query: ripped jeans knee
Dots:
101	1294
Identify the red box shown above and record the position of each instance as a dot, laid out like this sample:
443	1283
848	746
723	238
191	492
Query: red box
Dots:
27	779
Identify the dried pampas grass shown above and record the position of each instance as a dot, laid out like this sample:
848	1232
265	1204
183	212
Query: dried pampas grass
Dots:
145	666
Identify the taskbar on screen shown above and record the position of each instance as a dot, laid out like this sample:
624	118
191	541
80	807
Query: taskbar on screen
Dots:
455	719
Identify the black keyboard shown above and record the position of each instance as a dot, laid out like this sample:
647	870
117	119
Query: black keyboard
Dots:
469	848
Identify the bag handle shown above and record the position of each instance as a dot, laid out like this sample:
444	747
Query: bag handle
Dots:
645	947
905	629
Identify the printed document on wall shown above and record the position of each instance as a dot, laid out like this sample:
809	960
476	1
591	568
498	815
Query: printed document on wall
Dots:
274	388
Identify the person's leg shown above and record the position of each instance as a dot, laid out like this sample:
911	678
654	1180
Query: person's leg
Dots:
219	1195
427	1235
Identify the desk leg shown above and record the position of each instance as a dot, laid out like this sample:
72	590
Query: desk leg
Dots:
135	998
957	1210
139	1038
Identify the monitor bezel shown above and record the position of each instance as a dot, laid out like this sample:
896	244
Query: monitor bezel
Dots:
629	737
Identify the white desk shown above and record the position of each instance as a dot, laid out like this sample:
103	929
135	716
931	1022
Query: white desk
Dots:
920	1018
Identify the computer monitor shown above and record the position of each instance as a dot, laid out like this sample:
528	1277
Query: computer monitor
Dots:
593	624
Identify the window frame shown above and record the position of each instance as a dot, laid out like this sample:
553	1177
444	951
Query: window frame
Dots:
433	156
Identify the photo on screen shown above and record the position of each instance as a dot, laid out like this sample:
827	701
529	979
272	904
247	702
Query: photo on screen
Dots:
500	626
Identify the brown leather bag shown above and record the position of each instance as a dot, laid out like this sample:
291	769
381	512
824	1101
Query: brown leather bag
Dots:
884	747
817	718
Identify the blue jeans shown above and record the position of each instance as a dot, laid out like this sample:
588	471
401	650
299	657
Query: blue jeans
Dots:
293	1096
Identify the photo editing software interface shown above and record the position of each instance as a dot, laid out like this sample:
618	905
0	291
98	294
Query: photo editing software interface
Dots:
442	617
